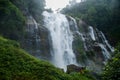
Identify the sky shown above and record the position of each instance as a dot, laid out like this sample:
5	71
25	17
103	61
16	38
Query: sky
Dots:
56	4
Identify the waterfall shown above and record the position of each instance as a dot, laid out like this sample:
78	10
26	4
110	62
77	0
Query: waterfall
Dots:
61	37
63	41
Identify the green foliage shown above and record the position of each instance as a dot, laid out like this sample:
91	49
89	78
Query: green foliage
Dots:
90	54
11	20
16	64
36	7
21	4
112	69
31	7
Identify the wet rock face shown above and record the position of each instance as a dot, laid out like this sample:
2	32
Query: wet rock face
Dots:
90	45
36	40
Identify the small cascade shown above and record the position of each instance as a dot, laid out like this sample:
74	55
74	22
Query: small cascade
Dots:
91	32
61	37
105	52
32	30
37	37
32	38
74	23
106	42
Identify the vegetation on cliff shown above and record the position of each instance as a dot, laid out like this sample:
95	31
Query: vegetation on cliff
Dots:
12	20
31	7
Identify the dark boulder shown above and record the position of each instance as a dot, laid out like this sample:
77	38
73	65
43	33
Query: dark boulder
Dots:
74	68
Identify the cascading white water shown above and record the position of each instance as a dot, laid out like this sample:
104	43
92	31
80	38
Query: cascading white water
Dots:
33	29
91	33
106	42
61	38
77	31
105	52
91	30
37	37
74	22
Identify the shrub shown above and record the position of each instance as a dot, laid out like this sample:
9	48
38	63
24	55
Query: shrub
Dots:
112	69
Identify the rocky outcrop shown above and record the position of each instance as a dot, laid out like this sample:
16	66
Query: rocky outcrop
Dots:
73	68
90	45
36	40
